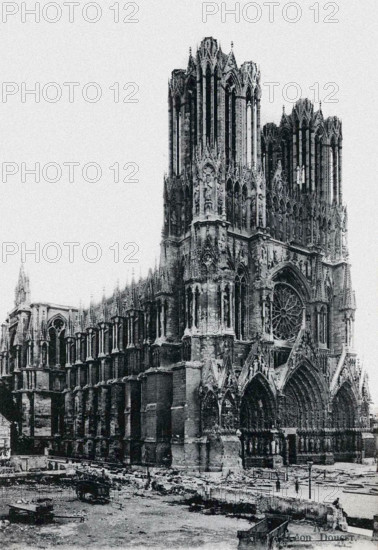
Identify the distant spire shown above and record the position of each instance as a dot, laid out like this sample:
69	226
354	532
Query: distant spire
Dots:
116	305
70	324
22	290
90	320
232	45
104	308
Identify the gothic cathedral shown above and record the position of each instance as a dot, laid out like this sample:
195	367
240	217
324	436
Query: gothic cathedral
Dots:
236	350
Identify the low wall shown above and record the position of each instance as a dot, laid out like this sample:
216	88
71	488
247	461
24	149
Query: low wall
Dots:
274	504
27	463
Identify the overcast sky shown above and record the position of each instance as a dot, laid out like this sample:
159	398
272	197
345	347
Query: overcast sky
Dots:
327	60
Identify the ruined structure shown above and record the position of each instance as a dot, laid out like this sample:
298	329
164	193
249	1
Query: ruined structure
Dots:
239	346
5	438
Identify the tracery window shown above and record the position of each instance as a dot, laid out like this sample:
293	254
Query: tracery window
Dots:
270	167
331	176
230	122
287	312
210	413
304	154
188	209
240	305
249	132
192	100
318	165
57	346
226	307
230	202
219	303
196	307
178	136
215	101
189	307
244	207
236	221
334	172
323	325
286	157
208	103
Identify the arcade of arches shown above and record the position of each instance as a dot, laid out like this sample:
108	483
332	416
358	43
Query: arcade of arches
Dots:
297	425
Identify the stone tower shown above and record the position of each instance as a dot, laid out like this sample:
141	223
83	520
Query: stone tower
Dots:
255	226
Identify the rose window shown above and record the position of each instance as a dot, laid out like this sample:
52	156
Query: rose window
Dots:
286	313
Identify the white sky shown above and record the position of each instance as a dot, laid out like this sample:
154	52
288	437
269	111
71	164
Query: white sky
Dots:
106	132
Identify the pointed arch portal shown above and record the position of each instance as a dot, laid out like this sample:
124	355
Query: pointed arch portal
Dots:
346	441
257	418
305	415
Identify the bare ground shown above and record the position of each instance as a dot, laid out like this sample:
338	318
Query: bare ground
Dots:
134	519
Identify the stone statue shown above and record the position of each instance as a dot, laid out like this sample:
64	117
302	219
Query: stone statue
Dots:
196	200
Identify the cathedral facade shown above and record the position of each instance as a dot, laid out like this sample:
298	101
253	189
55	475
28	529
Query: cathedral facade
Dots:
238	348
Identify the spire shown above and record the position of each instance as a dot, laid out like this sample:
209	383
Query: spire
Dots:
104	317
191	63
22	291
348	298
90	320
230	62
79	319
116	305
70	324
43	327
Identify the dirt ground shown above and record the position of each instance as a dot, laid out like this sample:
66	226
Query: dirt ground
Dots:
133	519
137	518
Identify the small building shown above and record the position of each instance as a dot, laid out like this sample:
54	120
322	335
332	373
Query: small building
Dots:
5	438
